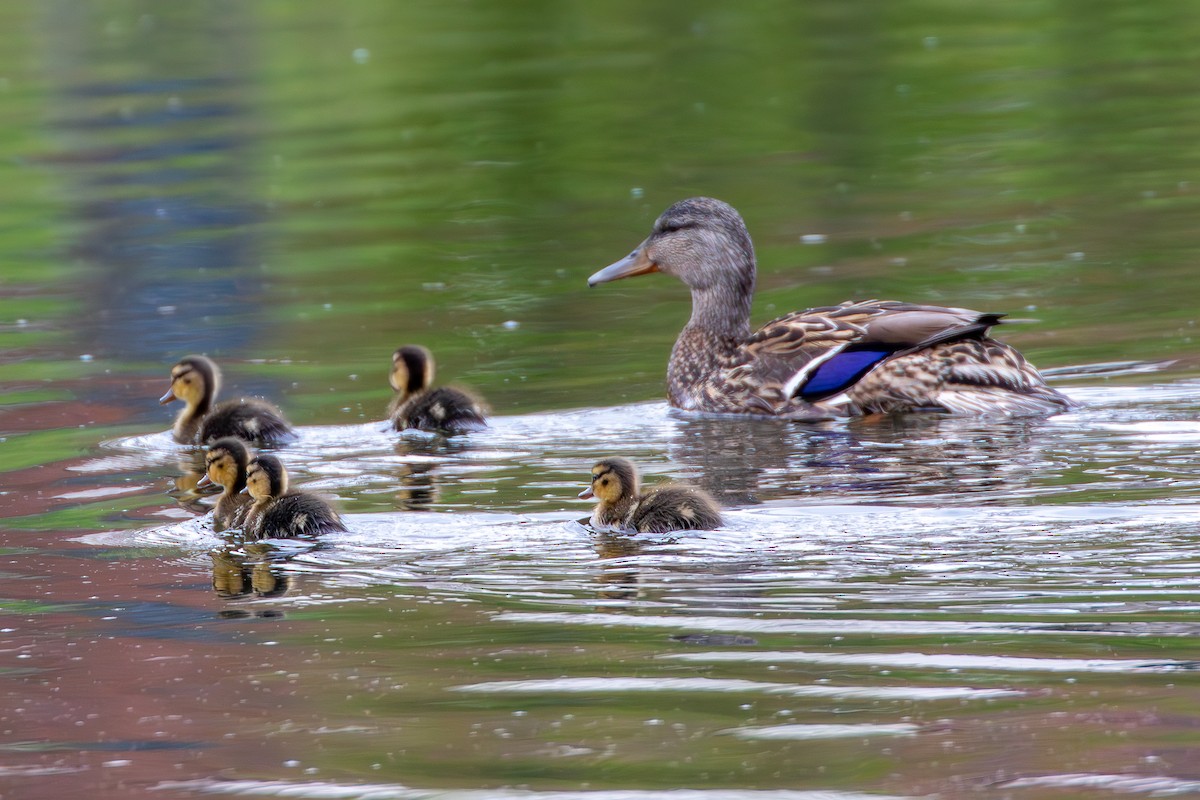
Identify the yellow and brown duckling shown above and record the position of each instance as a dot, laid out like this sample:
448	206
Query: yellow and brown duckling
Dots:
278	512
670	507
416	405
225	465
874	356
196	380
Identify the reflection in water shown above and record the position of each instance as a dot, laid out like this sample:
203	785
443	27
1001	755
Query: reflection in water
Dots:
882	456
617	581
251	570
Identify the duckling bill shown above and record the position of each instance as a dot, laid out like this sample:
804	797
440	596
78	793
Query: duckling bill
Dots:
416	405
622	505
874	356
196	380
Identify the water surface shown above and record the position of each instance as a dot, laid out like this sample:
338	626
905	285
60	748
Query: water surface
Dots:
898	607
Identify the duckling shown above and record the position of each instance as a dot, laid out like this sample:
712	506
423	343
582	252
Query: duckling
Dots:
415	405
671	507
195	380
279	513
225	466
857	358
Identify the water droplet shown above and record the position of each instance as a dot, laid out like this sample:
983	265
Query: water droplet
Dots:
361	55
511	325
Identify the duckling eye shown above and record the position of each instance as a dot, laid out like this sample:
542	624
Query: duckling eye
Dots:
604	481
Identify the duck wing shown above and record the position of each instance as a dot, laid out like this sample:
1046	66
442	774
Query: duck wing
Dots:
821	352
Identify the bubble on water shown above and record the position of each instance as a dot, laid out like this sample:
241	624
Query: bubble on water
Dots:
511	325
86	357
813	238
636	192
361	55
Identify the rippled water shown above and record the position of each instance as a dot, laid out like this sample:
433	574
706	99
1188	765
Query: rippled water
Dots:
900	607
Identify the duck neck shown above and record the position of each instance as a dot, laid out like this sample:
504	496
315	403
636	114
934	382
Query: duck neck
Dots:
610	515
720	323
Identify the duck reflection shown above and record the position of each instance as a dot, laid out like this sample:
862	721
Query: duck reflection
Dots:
617	581
880	457
252	570
186	488
416	475
418	489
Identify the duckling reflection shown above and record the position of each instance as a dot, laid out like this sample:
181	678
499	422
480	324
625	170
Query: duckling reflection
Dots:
416	405
278	512
670	507
225	465
252	571
617	582
186	488
418	485
196	380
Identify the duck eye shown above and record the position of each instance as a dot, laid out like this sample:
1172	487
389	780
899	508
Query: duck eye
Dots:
604	482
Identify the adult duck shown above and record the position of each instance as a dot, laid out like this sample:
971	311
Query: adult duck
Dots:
874	356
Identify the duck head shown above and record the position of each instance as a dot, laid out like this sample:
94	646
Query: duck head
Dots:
701	241
194	380
225	464
266	477
412	369
613	480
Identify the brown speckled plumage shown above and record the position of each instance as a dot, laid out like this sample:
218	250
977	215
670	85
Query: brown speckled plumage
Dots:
415	405
927	357
623	506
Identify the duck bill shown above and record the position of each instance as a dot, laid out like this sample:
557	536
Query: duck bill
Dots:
204	481
167	398
636	263
586	494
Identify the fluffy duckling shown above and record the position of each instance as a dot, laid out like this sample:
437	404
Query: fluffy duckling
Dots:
415	405
225	466
195	380
672	507
279	513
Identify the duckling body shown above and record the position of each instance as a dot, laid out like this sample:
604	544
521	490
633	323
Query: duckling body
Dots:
225	465
874	356
622	506
196	380
278	512
416	405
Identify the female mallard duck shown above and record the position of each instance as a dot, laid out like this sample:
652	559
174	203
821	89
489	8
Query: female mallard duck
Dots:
279	513
671	507
195	380
875	356
225	465
415	405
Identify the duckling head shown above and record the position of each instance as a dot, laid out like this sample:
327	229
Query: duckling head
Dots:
614	480
194	380
412	369
225	464
701	241
266	477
